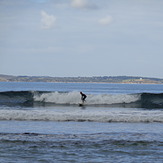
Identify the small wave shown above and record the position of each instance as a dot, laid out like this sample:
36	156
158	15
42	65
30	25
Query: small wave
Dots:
82	116
115	138
34	98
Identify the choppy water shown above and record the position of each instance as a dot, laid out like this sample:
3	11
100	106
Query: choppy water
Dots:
42	122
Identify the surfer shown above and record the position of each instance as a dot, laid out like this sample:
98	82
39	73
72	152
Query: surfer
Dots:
83	96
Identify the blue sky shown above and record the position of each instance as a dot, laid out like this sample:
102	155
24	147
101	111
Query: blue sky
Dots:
81	37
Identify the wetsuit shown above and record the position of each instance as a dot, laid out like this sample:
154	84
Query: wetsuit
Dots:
83	96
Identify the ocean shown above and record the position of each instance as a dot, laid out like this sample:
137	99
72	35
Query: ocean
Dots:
42	122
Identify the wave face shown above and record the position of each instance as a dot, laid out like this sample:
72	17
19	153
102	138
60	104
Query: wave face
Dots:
34	98
16	98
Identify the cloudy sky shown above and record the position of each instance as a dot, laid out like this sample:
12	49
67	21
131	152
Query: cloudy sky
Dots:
81	37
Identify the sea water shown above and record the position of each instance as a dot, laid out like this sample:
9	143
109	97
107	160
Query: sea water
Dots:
42	122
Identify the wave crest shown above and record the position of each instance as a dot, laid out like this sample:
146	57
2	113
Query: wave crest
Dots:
30	98
74	98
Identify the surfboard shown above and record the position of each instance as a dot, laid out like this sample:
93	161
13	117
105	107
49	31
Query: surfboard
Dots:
81	104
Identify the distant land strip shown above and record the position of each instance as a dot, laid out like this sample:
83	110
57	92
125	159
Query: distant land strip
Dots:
94	79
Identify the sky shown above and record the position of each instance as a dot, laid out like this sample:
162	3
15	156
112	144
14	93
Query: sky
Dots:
71	38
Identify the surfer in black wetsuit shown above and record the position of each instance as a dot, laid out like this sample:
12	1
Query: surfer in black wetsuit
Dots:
83	96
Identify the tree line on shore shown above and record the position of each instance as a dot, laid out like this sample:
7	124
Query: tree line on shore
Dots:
94	79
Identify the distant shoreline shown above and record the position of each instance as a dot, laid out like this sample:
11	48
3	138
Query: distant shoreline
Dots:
96	79
77	82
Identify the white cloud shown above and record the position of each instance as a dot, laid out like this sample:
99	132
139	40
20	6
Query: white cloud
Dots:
106	20
78	3
48	21
82	4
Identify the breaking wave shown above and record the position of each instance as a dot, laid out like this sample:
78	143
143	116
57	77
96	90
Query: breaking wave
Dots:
34	98
83	115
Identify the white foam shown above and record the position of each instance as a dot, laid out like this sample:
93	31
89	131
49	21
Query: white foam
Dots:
112	99
59	98
74	98
83	115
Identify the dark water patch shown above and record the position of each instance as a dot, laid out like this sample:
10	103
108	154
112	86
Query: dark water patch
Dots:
78	148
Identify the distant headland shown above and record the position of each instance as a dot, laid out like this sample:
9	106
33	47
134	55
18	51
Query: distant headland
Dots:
94	79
